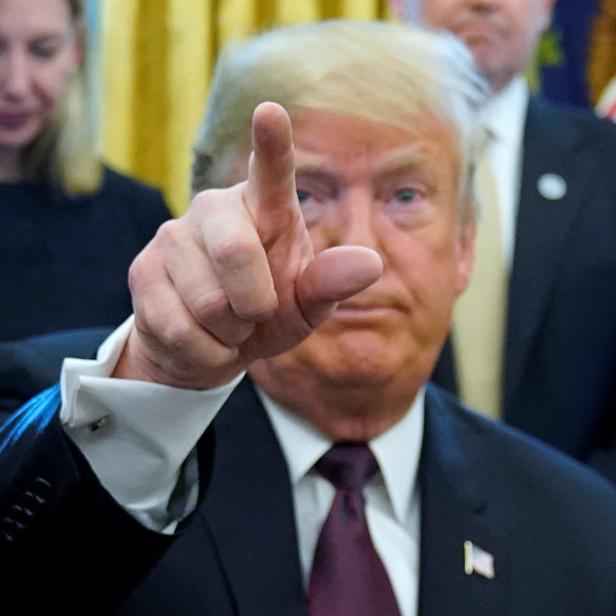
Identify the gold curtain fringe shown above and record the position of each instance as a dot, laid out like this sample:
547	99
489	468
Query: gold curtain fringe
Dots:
602	65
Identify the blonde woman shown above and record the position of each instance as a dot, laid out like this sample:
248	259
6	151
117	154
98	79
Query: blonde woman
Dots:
67	220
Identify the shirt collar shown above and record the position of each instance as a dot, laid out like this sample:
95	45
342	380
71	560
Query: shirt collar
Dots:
509	103
397	450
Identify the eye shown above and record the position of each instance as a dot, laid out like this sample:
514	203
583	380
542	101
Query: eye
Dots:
408	204
316	191
303	195
312	204
405	195
45	49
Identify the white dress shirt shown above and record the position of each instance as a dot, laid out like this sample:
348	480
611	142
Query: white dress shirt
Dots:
137	436
505	116
392	496
140	440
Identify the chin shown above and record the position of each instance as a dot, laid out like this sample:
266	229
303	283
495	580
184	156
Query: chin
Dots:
358	364
18	140
358	374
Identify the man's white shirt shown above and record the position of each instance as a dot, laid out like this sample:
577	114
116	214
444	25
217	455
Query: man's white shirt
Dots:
140	440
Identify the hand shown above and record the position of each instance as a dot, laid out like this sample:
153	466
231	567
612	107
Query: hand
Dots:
235	279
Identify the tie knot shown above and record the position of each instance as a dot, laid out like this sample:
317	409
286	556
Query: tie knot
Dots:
348	466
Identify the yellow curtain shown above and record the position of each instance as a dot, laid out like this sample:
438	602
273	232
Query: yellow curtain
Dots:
158	56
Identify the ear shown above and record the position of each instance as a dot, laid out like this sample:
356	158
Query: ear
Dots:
465	256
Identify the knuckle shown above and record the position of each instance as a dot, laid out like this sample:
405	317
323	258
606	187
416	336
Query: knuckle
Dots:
211	305
136	273
222	357
234	253
206	200
150	319
177	335
254	313
168	232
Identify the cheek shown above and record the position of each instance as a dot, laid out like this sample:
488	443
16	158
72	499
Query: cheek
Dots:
428	271
438	13
526	36
52	80
53	86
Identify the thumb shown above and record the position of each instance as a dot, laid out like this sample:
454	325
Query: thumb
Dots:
334	275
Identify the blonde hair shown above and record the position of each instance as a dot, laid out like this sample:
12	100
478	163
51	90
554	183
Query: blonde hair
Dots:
65	151
383	72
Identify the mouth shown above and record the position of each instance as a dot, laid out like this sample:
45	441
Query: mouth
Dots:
14	119
357	313
479	32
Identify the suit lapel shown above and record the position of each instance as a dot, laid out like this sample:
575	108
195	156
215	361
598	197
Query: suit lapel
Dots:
249	510
249	513
454	511
444	374
542	229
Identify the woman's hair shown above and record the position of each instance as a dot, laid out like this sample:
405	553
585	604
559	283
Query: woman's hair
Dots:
64	153
384	72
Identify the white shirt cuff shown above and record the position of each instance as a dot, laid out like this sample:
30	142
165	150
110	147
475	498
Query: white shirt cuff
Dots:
136	435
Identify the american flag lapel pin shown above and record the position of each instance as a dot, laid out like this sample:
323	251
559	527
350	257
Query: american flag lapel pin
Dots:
477	560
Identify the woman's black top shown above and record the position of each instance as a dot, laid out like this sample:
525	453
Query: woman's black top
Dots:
64	260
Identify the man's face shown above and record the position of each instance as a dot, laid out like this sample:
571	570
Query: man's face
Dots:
502	34
397	192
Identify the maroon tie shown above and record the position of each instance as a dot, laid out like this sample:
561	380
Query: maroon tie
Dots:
348	577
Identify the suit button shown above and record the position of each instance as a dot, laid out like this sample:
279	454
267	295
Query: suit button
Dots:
42	490
21	513
11	529
13	524
37	496
18	519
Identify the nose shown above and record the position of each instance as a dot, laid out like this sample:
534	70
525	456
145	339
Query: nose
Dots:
15	76
353	221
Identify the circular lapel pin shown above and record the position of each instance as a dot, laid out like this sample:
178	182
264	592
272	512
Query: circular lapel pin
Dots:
552	186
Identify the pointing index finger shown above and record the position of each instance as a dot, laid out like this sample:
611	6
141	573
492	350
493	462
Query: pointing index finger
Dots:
271	193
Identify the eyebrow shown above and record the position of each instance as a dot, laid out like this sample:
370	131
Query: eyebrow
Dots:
320	165
403	160
49	36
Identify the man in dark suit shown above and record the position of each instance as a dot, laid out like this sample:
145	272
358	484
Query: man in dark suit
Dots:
547	335
332	479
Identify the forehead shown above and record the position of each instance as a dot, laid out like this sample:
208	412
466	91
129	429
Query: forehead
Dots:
447	7
46	15
345	142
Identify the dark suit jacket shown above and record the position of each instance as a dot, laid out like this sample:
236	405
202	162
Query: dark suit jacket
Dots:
550	524
30	365
560	350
